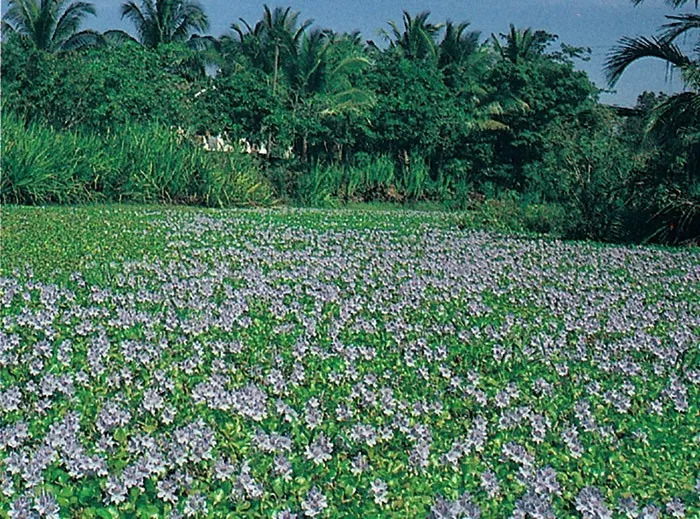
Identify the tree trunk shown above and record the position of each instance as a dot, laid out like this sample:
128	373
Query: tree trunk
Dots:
274	91
277	64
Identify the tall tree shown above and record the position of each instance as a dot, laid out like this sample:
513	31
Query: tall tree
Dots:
163	21
540	86
674	120
272	40
521	44
50	25
458	44
320	77
417	38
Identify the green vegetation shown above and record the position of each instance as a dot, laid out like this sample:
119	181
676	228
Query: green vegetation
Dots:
142	163
440	114
50	26
163	362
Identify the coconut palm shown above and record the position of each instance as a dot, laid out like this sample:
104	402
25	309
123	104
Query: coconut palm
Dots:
460	55
676	119
164	21
416	39
319	74
312	71
458	44
272	40
316	64
51	25
521	44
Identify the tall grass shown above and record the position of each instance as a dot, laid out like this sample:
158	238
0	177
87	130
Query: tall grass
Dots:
136	163
366	179
372	178
41	166
415	177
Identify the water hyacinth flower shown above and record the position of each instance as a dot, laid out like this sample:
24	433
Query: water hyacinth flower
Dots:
196	504
21	508
628	507
47	506
651	511
167	490
591	505
359	464
379	491
314	503
463	507
675	508
490	484
320	450
282	467
115	490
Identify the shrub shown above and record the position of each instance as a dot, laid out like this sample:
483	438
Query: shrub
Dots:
96	89
589	172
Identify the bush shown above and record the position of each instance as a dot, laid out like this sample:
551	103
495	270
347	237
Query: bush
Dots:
589	172
511	214
370	178
97	89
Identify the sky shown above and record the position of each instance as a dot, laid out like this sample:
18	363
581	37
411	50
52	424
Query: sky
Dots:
598	24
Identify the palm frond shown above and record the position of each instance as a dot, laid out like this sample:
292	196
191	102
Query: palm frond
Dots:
188	18
681	24
49	24
350	100
83	39
7	27
22	14
672	3
165	21
132	12
350	65
675	115
118	37
70	20
630	50
200	43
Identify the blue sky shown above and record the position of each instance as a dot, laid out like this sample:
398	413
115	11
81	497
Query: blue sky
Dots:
594	23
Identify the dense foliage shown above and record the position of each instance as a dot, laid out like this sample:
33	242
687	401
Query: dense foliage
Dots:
327	364
439	113
140	163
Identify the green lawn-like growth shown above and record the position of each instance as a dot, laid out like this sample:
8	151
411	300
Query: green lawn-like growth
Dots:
165	361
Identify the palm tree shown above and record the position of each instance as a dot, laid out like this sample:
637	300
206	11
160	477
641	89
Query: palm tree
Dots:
458	44
164	21
272	39
313	72
51	25
521	44
679	112
416	39
319	73
676	119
